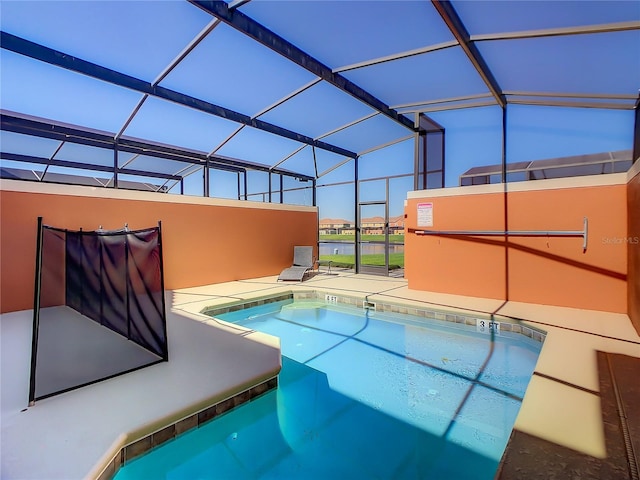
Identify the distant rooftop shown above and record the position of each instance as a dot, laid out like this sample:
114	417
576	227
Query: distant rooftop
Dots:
577	165
49	177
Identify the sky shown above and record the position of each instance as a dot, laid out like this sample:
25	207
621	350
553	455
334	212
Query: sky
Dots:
228	69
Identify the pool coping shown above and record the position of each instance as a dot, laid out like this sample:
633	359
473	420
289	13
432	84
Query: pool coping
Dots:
619	397
133	450
506	324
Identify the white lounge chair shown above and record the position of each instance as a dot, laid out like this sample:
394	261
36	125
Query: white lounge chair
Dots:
303	262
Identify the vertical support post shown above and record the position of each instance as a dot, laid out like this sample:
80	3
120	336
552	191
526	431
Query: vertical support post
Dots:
115	164
444	157
84	273
281	188
424	143
182	186
314	193
246	185
636	132
206	179
165	352
386	225
315	162
503	161
506	202
102	295
313	203
126	282
238	177
357	216
416	152
36	314
269	186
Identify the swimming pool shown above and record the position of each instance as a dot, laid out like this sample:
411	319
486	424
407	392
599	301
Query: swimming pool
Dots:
362	394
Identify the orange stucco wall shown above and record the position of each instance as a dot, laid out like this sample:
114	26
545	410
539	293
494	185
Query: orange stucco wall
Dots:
458	265
633	246
203	243
542	270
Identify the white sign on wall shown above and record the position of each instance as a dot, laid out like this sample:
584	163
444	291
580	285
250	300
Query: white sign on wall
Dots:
425	214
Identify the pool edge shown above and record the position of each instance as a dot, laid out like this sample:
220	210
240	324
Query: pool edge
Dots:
507	323
127	450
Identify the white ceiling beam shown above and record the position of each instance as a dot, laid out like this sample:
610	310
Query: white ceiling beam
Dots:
385	145
296	151
557	32
237	3
442	108
552	103
343	127
397	56
287	97
602	96
444	100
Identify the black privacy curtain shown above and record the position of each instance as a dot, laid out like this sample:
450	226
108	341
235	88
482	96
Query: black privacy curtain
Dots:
113	278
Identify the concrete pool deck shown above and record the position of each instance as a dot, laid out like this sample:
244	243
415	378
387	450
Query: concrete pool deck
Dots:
78	434
74	434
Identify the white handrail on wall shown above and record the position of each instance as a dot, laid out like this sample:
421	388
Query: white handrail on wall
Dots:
584	233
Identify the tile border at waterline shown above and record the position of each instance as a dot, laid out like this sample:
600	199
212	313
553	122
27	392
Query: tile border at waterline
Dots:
169	432
506	324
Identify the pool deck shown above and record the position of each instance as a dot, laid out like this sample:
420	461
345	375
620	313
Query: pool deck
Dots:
75	434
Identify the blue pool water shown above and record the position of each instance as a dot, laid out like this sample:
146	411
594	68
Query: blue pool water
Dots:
361	395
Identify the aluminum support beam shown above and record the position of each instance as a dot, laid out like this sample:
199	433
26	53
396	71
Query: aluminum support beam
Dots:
271	40
459	31
35	127
60	59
